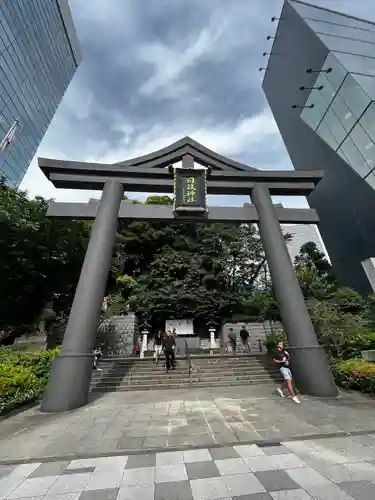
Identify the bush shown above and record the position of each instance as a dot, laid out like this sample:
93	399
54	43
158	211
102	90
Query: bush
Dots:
274	338
355	374
23	376
18	385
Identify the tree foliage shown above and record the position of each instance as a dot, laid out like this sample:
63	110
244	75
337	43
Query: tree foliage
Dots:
203	271
39	256
342	318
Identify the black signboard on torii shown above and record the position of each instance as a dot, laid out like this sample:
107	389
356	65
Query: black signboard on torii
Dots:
70	378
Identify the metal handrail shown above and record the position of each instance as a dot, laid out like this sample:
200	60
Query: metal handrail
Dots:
189	359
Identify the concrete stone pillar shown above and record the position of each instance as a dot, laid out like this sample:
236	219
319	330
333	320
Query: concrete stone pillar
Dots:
70	378
308	359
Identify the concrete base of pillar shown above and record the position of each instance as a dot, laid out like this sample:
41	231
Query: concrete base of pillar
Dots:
311	371
72	375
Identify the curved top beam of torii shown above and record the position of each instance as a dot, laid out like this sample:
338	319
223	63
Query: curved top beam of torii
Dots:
174	152
148	173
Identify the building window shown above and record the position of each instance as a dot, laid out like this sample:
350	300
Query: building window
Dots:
365	145
338	73
310	12
370	179
350	46
367	83
327	91
335	126
343	113
325	133
357	64
313	116
356	160
356	99
368	121
342	30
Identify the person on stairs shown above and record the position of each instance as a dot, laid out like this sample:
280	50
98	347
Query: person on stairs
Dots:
282	358
169	346
97	355
244	334
233	340
158	345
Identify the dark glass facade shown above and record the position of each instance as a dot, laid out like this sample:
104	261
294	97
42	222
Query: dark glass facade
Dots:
321	91
38	59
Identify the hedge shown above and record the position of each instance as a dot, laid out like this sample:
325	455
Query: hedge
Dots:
23	376
355	374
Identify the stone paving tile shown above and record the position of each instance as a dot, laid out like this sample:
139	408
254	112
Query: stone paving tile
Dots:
274	462
37	486
242	484
255	496
104	479
359	490
328	492
170	473
136	492
69	471
5	471
201	470
169	458
291	495
137	461
212	488
275	450
223	453
141	477
192	456
276	480
109	494
179	490
231	466
70	496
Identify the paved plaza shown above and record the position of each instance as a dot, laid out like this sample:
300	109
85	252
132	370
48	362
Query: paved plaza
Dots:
119	423
321	469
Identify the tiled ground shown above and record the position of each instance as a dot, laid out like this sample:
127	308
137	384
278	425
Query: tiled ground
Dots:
325	469
120	422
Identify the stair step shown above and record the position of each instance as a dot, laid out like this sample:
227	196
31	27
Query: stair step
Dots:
134	374
180	380
123	388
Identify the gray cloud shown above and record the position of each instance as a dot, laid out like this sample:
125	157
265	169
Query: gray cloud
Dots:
156	70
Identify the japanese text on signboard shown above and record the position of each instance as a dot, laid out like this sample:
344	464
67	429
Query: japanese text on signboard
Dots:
190	190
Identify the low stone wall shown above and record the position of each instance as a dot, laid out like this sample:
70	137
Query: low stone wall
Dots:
117	335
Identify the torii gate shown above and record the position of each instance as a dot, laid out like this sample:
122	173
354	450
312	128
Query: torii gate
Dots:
69	382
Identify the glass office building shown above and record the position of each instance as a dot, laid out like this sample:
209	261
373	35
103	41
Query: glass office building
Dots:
39	54
320	84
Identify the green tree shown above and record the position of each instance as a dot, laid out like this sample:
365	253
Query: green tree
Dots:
184	270
39	256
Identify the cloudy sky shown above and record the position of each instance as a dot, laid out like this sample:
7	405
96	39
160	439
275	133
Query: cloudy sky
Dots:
154	71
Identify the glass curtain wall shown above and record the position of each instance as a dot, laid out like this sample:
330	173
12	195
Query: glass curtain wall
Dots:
343	112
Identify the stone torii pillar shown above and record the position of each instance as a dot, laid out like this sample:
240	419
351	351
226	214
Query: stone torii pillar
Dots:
308	359
69	382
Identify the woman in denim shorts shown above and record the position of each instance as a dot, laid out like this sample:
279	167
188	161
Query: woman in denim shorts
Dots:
282	358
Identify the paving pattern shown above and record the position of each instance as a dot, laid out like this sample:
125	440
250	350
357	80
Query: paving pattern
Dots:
324	469
121	422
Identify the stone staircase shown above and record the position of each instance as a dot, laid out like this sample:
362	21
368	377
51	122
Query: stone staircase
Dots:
134	374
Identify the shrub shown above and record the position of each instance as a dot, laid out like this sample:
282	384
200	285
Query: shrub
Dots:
355	374
272	339
18	385
23	376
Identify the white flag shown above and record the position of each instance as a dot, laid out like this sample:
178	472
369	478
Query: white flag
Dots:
8	139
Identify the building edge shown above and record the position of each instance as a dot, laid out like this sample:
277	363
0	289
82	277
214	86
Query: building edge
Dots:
67	19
